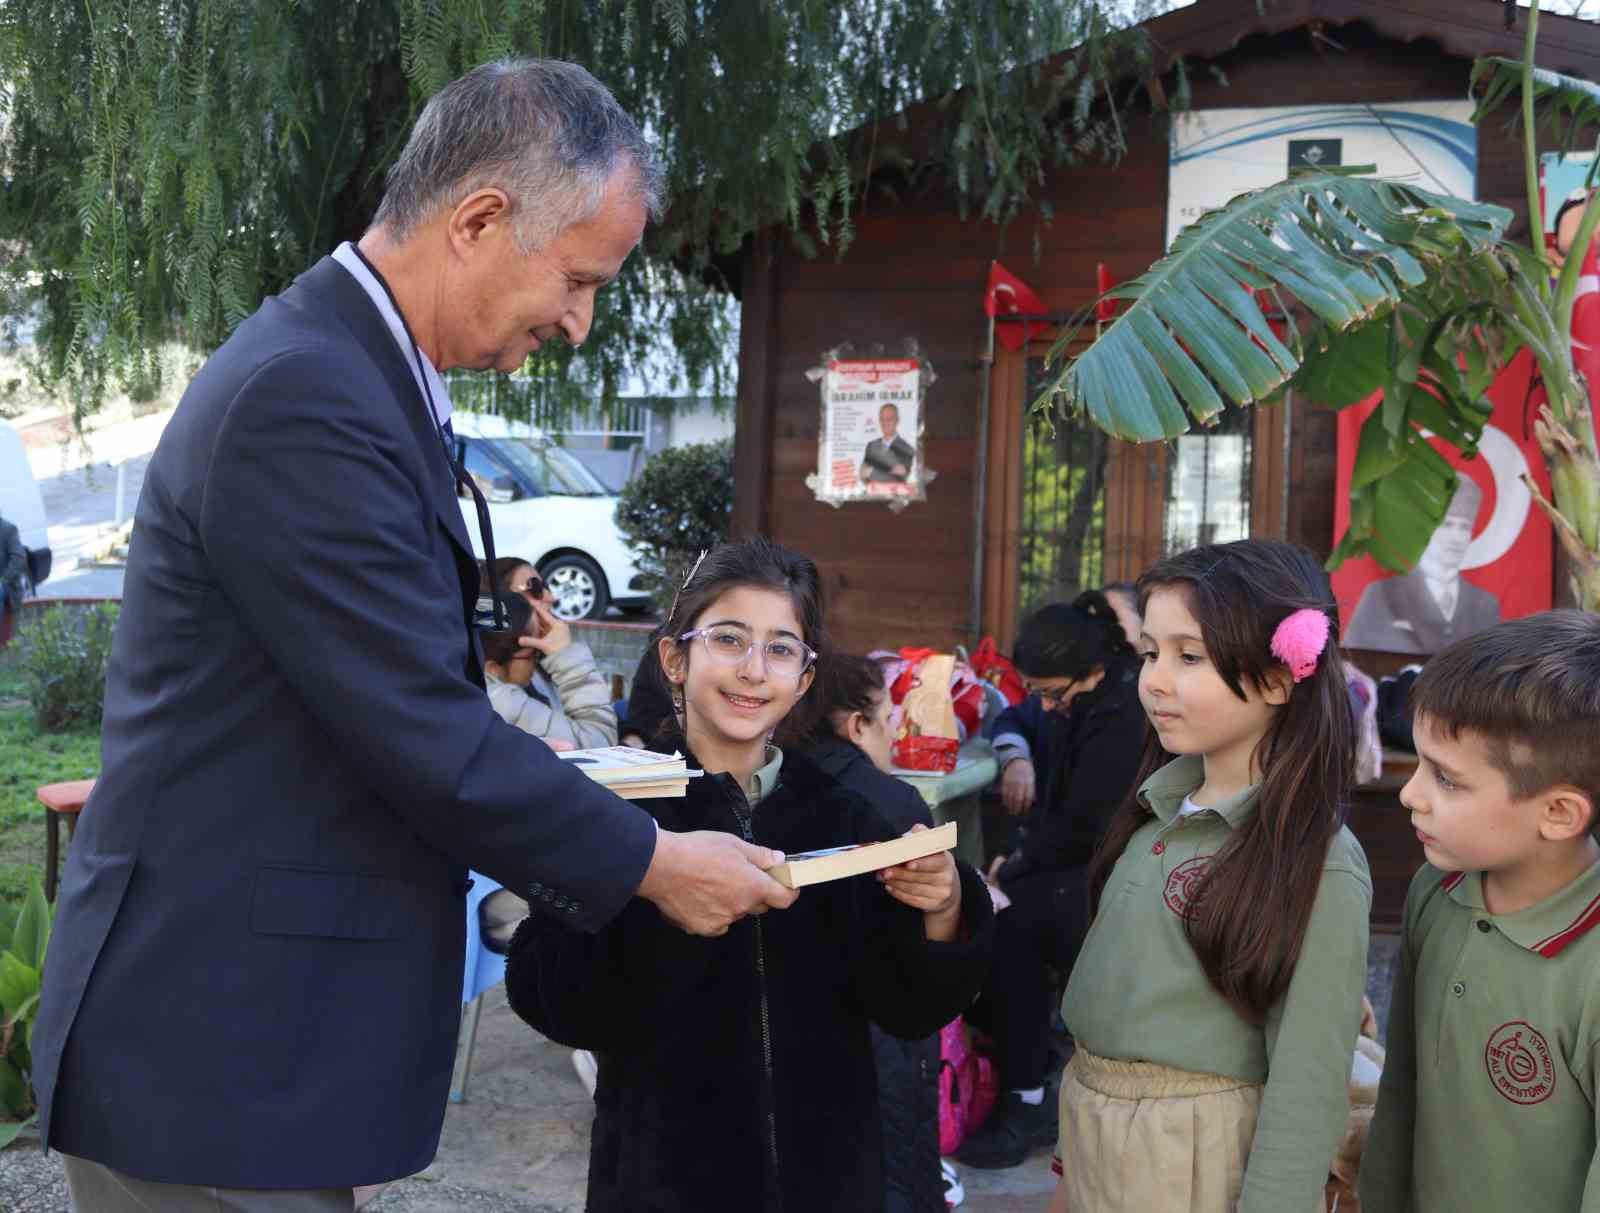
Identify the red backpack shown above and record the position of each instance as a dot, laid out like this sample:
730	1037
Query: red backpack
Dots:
968	1086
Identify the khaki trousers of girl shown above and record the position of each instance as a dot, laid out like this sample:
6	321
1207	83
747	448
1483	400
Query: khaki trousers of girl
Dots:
1137	1137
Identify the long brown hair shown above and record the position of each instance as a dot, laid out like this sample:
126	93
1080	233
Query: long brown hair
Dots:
1252	906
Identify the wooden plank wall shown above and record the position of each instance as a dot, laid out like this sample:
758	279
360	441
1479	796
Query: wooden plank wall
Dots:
917	270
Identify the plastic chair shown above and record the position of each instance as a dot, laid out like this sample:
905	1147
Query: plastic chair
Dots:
484	968
60	800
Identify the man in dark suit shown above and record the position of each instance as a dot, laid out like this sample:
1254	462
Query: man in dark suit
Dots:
888	458
254	982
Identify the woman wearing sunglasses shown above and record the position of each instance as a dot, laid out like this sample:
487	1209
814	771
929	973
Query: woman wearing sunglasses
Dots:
548	685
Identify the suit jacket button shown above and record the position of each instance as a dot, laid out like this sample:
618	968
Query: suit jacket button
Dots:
572	907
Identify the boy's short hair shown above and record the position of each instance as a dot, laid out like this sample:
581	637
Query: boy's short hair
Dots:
1531	689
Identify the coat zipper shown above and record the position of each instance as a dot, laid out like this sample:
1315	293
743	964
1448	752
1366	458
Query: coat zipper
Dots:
766	1025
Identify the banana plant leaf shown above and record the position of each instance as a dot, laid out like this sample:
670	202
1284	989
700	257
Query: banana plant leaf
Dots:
1565	104
1409	291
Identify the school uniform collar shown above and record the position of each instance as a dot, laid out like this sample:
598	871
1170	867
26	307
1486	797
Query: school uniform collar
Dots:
765	778
1547	927
1163	793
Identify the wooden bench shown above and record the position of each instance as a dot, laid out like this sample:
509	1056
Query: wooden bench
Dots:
60	800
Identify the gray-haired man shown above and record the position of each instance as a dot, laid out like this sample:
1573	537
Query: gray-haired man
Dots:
252	993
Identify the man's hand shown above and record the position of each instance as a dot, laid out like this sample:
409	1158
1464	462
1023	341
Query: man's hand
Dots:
706	881
1016	786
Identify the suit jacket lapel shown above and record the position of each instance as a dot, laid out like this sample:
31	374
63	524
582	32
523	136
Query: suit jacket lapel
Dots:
330	279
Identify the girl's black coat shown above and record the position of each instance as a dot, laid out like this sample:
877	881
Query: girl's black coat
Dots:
735	1073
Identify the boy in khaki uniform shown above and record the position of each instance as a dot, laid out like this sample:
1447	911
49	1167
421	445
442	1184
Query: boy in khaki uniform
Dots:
1488	1094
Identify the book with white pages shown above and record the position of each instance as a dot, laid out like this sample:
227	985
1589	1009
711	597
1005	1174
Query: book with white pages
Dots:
643	773
835	863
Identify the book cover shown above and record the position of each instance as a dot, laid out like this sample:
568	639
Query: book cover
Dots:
835	863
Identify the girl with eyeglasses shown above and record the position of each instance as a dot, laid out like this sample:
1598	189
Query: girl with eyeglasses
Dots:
737	1072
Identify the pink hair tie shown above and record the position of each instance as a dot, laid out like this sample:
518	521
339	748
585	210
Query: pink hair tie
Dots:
1299	640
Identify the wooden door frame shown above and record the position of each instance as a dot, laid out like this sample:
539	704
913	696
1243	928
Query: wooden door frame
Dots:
1135	490
1135	494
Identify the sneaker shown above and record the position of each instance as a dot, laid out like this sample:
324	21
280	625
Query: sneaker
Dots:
583	1062
954	1193
1013	1128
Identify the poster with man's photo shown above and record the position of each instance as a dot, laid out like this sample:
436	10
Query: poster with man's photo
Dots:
870	443
1489	560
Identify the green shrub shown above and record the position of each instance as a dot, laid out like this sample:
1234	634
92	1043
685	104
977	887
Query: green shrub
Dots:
64	656
680	504
21	973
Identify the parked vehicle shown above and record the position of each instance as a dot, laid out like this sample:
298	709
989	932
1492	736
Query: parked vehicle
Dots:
22	504
546	507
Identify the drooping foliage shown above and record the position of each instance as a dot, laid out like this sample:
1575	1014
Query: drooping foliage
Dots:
169	162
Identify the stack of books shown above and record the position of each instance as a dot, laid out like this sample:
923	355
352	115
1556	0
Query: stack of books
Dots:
633	774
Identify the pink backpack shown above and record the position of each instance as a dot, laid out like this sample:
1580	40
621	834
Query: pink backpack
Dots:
968	1086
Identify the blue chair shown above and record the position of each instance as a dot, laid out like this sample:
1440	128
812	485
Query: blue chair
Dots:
484	968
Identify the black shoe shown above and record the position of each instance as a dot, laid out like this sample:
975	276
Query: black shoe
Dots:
1013	1128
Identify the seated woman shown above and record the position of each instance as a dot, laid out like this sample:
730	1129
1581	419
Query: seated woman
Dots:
736	1072
576	712
1069	755
850	738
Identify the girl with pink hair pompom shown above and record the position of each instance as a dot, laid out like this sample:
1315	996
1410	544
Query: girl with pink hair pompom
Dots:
1216	999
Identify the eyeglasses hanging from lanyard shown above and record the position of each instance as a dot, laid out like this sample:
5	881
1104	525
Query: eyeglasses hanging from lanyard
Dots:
489	615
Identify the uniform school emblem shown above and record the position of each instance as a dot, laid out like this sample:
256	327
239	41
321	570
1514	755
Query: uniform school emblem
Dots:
1183	883
1519	1064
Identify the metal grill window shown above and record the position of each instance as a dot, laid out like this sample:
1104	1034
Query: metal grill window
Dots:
1063	529
1208	484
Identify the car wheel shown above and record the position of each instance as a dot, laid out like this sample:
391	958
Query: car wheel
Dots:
579	587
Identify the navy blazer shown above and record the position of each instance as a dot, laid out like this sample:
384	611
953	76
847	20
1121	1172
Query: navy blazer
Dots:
255	975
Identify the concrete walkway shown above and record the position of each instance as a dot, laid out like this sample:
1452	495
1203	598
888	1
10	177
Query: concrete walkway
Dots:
519	1144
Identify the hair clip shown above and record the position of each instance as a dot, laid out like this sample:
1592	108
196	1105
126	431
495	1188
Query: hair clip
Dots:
688	577
1299	640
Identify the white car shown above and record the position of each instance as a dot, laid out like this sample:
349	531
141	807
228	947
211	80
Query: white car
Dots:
21	503
548	509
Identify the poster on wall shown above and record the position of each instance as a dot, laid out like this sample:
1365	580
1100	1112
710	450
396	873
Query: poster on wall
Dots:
869	444
1490	559
1218	154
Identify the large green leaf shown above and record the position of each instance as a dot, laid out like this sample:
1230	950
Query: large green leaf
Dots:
1566	104
1348	248
18	983
32	933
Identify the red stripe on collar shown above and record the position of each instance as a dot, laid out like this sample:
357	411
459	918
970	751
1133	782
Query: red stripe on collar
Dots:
1583	922
1452	880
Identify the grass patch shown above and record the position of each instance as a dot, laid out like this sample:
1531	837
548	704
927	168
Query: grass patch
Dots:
29	758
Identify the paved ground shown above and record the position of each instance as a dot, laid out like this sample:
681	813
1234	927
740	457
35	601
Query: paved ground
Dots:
519	1144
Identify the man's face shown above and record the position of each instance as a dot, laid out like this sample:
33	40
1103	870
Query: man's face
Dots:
888	422
1441	560
508	303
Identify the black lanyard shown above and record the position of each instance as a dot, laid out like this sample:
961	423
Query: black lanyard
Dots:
490	616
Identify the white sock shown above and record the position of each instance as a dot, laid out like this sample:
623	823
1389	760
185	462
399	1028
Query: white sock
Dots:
1033	1096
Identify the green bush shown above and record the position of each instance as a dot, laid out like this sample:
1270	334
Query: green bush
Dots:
64	656
680	504
21	973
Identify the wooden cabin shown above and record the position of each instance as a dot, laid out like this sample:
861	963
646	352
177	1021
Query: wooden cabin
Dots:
989	543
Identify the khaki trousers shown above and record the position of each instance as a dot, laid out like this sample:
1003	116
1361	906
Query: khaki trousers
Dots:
96	1188
1138	1137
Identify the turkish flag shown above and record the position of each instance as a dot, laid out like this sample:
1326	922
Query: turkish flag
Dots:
1510	555
1010	298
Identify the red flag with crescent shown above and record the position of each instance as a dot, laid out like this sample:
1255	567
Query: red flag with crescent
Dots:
1010	298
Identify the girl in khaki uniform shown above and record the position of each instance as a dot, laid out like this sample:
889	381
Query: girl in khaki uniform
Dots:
1217	997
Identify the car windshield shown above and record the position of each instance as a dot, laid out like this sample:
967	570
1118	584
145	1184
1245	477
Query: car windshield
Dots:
553	470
